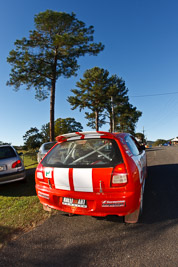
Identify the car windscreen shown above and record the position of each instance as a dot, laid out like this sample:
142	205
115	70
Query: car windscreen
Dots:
6	152
84	153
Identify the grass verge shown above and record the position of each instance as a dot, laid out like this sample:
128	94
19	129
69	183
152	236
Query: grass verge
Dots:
20	209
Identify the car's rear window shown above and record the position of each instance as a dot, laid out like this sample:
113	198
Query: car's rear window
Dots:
6	152
49	146
84	153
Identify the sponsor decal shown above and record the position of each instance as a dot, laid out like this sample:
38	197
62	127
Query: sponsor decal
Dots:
129	153
48	172
44	195
115	203
122	140
126	147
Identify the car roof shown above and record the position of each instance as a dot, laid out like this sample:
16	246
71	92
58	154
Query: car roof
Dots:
49	142
89	134
6	146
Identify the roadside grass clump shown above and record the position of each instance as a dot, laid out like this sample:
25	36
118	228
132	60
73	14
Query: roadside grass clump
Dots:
20	209
29	158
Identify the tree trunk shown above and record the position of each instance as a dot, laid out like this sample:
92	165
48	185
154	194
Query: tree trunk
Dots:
96	120
112	108
52	104
110	123
52	98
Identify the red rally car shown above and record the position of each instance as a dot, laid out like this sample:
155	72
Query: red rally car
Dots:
93	173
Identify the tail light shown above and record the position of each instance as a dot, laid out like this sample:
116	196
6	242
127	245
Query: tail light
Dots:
44	173
119	176
16	164
39	172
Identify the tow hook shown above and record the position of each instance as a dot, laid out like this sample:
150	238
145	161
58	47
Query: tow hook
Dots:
101	189
49	183
46	208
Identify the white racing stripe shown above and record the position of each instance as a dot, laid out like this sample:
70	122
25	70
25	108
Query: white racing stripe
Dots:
61	178
82	179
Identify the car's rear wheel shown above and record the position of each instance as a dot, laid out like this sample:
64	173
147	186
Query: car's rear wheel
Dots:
134	216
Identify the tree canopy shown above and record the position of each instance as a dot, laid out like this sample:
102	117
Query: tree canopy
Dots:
91	93
50	51
127	118
61	126
141	137
160	142
4	143
32	138
96	90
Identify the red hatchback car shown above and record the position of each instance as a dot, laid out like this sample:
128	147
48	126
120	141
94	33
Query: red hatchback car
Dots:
93	173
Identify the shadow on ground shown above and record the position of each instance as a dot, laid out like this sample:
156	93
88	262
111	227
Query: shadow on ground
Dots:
161	194
7	233
21	188
160	197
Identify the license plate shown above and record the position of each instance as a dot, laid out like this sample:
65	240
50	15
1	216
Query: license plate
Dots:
82	203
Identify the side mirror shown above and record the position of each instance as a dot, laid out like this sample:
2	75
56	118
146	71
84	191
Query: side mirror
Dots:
20	154
142	147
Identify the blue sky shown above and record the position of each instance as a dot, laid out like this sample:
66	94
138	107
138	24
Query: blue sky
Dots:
141	46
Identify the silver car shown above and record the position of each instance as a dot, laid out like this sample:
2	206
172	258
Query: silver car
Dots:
11	165
44	149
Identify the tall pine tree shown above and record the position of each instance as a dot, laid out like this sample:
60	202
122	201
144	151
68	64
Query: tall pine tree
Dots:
91	93
95	92
51	51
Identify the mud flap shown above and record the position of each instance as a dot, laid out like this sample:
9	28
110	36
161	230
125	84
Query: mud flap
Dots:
46	208
132	217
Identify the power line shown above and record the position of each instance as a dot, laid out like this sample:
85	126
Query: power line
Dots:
154	94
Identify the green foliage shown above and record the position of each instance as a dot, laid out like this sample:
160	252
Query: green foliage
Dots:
95	92
50	51
92	90
127	119
91	93
141	137
67	125
123	110
91	119
4	143
118	91
45	131
61	126
32	138
159	142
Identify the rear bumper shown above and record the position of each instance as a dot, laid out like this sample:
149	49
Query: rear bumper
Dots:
12	177
98	204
